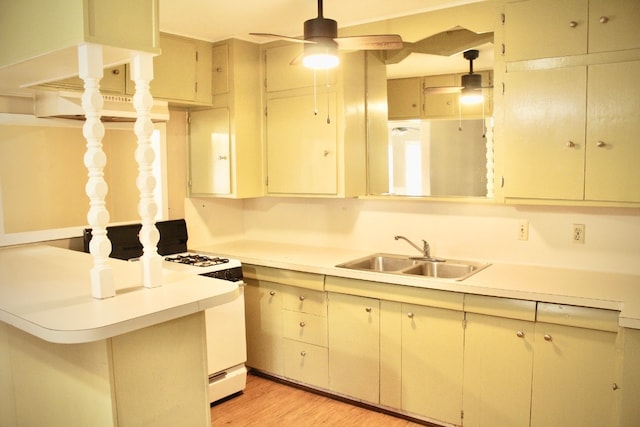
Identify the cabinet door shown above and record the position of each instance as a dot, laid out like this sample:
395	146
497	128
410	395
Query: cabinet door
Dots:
573	376
301	146
404	98
263	308
498	359
220	69
209	152
440	104
545	114
354	346
613	25
545	28
432	343
613	126
175	69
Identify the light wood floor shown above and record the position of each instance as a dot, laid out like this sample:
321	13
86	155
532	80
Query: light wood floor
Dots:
270	403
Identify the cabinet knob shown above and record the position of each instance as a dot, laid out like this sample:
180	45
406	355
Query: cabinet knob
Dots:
115	72
303	353
272	293
601	144
547	337
218	69
302	324
520	334
301	297
571	144
222	157
410	315
603	19
326	153
615	386
368	309
573	24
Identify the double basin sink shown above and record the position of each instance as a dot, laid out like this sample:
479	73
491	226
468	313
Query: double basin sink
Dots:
415	266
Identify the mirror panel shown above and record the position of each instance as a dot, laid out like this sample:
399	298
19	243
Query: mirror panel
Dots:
434	145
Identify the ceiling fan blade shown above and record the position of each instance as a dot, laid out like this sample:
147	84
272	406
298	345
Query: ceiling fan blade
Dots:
280	37
438	90
372	42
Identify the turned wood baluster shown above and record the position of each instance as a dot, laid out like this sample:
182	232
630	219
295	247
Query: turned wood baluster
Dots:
142	74
90	67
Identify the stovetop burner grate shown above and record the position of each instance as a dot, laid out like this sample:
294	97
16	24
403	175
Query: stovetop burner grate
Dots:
197	260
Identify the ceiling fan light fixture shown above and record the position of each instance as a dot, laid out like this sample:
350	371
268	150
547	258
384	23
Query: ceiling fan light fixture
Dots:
320	56
471	92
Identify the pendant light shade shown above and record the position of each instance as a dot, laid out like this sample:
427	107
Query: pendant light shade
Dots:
471	92
321	56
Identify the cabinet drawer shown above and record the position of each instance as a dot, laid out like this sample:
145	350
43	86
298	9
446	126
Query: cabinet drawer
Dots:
306	363
305	327
287	277
305	301
582	317
501	307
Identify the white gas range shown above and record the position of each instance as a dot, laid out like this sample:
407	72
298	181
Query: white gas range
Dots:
225	324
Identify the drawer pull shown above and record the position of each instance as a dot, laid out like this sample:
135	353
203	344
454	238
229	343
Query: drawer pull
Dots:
548	337
368	309
117	72
601	144
272	293
302	324
410	315
571	144
603	19
615	386
301	297
520	334
573	24
303	353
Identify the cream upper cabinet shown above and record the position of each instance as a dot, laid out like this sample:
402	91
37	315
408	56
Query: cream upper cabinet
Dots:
419	98
575	367
570	133
613	124
183	71
404	98
498	359
354	346
316	126
113	81
225	144
432	357
545	114
551	28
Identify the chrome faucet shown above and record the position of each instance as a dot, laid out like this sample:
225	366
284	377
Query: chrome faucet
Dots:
426	249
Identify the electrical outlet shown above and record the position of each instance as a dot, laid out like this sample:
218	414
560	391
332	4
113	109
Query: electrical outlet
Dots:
523	229
578	233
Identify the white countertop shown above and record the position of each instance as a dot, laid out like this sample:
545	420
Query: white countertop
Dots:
46	292
537	283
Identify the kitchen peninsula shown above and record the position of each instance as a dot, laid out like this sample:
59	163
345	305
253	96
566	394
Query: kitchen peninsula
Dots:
68	359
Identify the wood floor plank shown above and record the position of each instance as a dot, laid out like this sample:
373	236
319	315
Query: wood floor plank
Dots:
270	403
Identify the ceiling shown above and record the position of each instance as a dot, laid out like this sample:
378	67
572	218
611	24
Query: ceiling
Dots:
215	20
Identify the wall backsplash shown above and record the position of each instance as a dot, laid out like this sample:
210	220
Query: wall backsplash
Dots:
469	231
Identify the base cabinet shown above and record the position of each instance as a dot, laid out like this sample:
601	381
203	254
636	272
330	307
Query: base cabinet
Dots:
574	377
432	345
498	358
354	346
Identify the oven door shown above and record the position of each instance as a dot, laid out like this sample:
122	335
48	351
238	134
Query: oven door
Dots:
226	340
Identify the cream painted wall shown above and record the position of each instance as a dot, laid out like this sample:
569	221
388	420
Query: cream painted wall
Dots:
469	231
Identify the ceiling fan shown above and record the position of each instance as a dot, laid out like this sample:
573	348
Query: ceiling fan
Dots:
471	83
321	41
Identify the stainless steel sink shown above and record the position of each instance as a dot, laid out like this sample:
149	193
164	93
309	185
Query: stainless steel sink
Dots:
414	266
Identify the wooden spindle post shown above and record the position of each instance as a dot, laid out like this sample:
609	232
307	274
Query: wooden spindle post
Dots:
90	66
142	74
